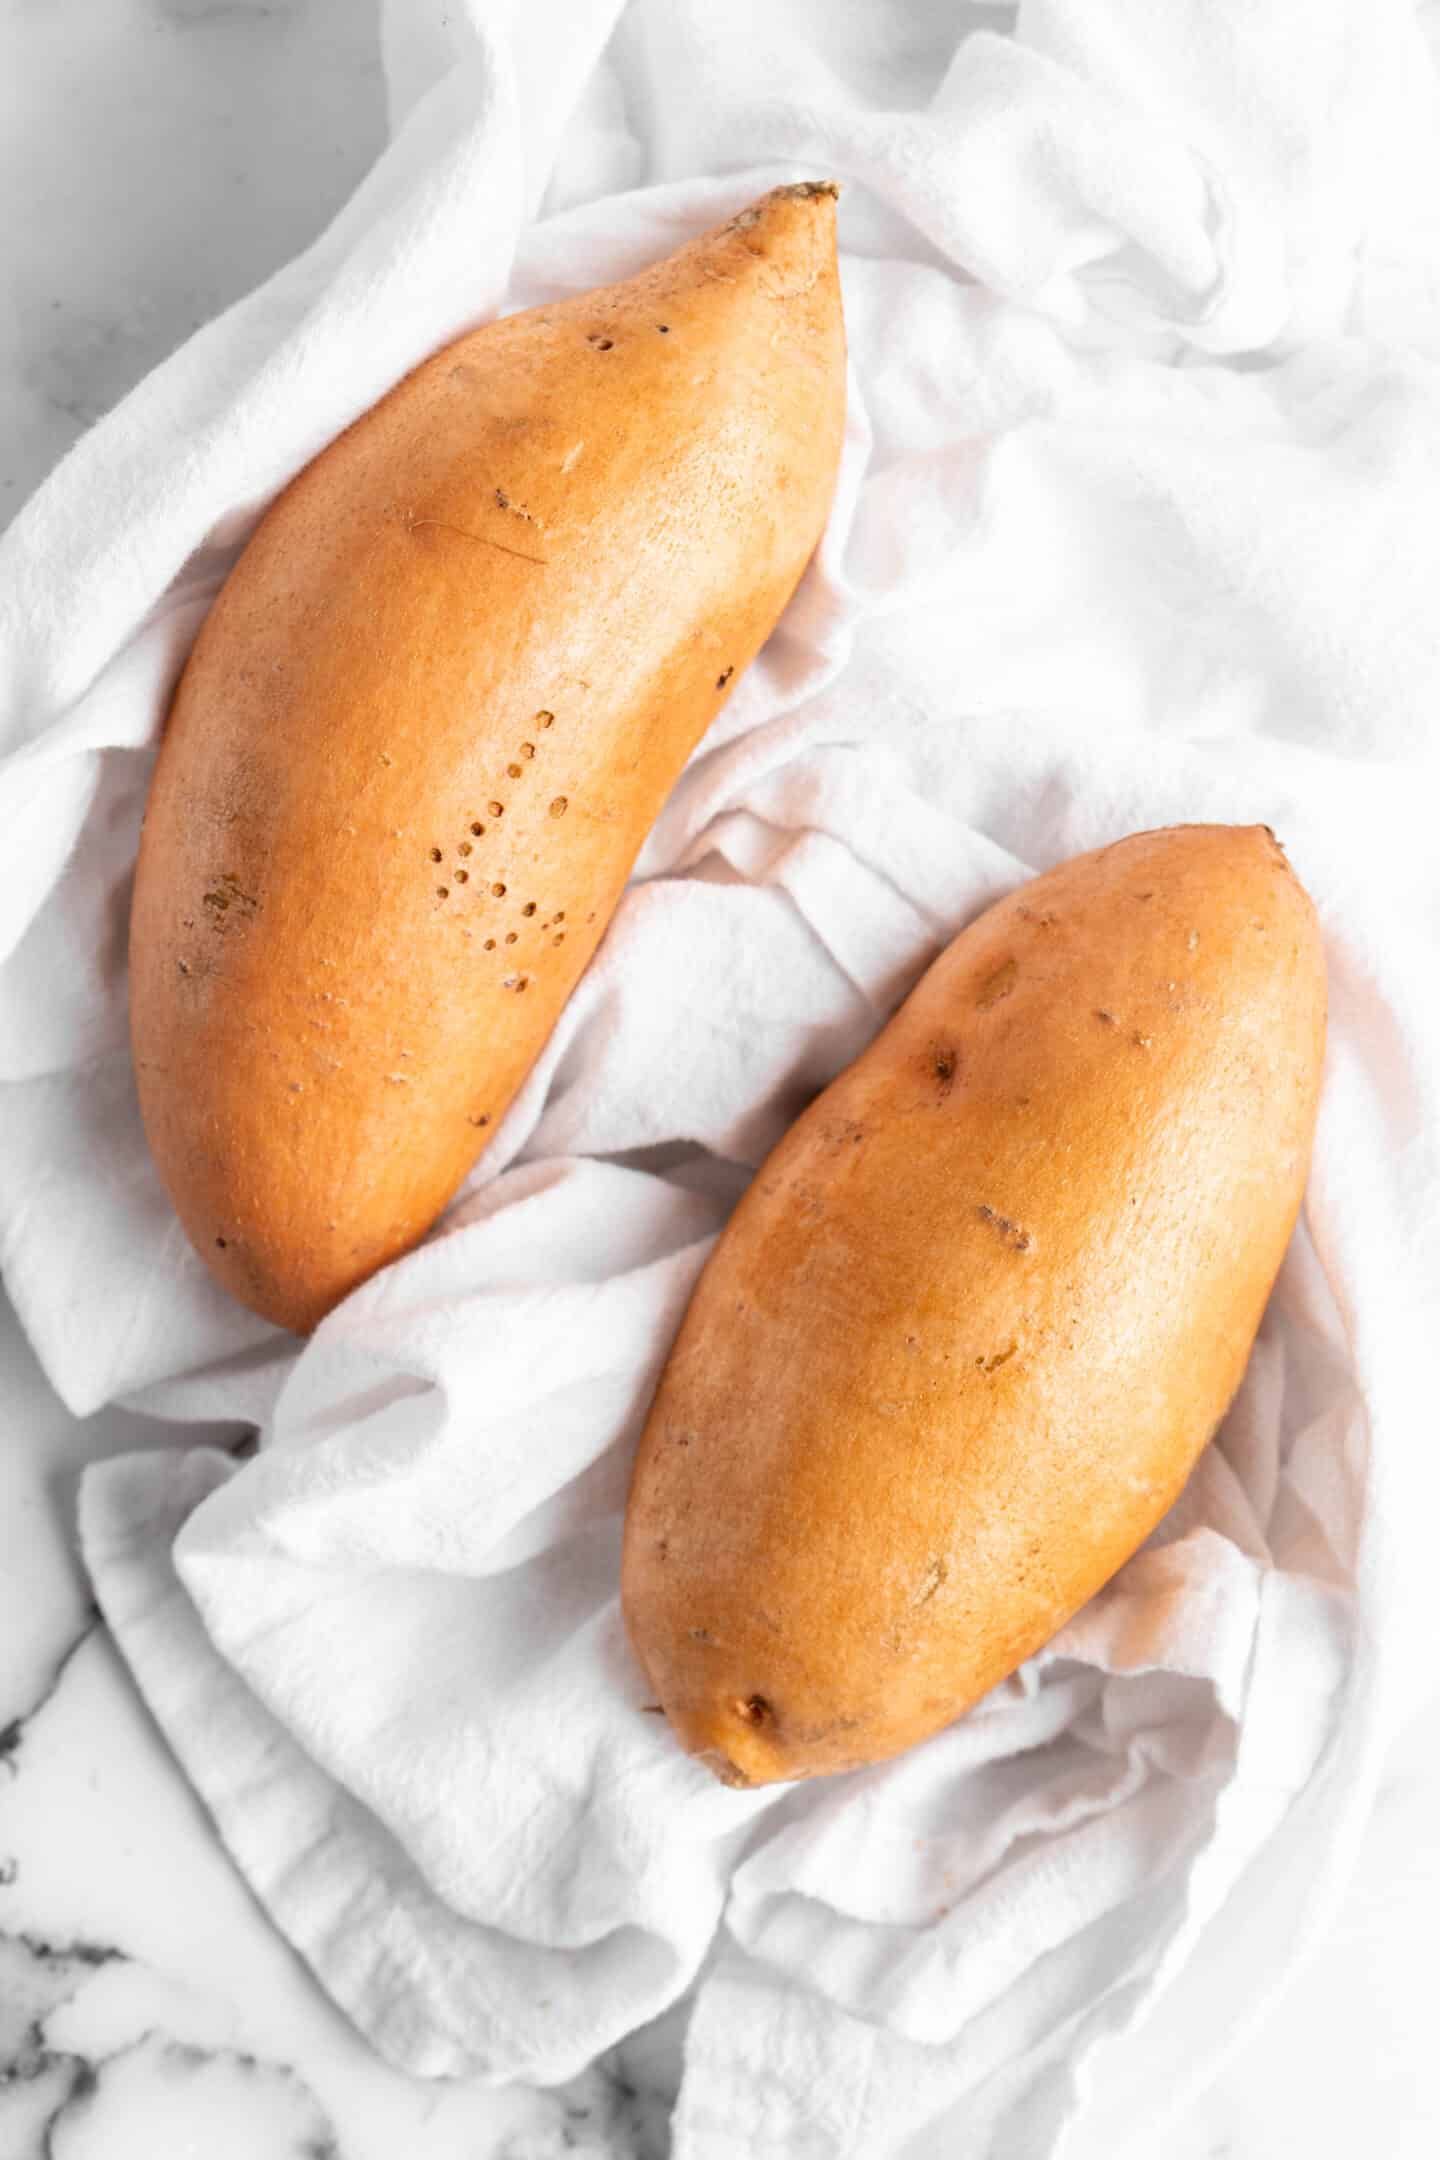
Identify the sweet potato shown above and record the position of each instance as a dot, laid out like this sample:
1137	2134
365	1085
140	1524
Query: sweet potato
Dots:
981	1309
429	721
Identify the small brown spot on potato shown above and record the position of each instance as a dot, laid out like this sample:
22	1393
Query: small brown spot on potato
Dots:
721	680
512	772
529	908
1107	1017
849	1132
755	1710
559	806
1013	1235
511	936
935	1575
944	1064
442	892
478	829
221	1242
436	855
997	986
497	891
544	719
497	809
462	877
527	749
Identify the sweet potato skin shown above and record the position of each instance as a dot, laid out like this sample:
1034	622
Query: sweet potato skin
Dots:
429	721
981	1309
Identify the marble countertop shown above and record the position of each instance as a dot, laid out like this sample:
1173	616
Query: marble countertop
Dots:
168	154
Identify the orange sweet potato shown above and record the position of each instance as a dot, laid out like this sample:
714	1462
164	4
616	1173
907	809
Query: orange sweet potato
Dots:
429	721
981	1309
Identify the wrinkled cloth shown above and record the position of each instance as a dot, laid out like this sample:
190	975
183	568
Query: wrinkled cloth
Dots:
1138	523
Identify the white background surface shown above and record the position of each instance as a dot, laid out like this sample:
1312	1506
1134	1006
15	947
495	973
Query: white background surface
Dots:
158	158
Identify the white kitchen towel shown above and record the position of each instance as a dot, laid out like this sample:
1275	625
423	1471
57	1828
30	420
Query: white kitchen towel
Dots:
1139	523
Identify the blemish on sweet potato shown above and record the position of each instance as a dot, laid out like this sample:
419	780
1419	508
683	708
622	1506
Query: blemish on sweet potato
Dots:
414	525
226	893
934	1579
1011	1232
944	1064
997	986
